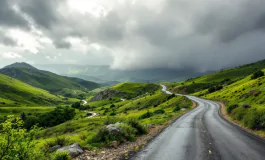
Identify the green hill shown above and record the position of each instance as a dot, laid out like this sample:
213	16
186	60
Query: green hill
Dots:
46	80
223	77
16	93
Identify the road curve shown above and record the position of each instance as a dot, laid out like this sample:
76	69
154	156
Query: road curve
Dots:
202	134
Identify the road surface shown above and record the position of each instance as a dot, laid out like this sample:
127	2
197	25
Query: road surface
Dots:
202	134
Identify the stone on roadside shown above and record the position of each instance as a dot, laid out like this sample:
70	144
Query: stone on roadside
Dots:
73	150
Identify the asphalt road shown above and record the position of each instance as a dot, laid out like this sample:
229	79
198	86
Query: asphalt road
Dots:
202	134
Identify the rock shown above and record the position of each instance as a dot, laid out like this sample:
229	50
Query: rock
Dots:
54	148
106	95
115	144
113	128
73	150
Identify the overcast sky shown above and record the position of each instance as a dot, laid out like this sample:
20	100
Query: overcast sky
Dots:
128	34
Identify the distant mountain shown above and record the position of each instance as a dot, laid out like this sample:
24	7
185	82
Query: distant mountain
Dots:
104	74
20	65
46	80
16	93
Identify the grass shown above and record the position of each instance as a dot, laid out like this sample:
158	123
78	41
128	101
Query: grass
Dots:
223	77
82	130
47	80
15	93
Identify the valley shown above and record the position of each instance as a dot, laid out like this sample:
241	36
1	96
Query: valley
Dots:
98	117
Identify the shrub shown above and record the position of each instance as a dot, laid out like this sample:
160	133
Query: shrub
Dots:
111	120
257	74
62	156
159	111
231	107
238	113
128	132
245	106
58	140
16	142
146	115
176	109
251	119
103	135
141	129
89	114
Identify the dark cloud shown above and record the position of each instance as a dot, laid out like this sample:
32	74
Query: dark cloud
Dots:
62	44
202	35
10	18
43	12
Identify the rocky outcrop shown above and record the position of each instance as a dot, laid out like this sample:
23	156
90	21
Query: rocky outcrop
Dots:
106	95
114	128
73	150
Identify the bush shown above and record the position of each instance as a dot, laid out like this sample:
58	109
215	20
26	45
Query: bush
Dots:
89	114
176	109
159	111
76	105
146	115
231	107
103	135
251	119
16	142
238	113
246	106
141	129
257	74
128	132
62	156
58	140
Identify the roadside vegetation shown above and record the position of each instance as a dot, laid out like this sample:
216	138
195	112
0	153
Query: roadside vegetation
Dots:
241	89
121	117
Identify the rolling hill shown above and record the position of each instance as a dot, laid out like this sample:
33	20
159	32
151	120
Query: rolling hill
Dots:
223	77
16	93
46	80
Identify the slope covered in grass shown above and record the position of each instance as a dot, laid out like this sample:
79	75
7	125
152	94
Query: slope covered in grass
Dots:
136	88
46	80
244	99
219	78
15	93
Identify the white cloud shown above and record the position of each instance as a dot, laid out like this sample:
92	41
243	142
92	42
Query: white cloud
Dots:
10	55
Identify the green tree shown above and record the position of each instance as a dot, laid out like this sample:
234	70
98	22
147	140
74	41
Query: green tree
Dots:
16	143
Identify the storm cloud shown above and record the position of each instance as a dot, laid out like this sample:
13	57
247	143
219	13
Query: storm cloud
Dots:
201	35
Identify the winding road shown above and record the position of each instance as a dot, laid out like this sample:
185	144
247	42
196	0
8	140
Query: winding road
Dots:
202	134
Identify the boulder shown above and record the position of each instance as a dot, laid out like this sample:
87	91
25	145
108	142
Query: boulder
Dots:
106	95
73	150
113	128
54	148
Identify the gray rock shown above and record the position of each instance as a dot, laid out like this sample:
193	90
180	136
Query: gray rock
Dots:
106	95
114	128
54	148
73	150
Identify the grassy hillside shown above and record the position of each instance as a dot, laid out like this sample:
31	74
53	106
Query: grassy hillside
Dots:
46	80
219	78
16	93
154	107
136	88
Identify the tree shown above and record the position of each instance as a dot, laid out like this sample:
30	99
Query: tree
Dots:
23	116
16	143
